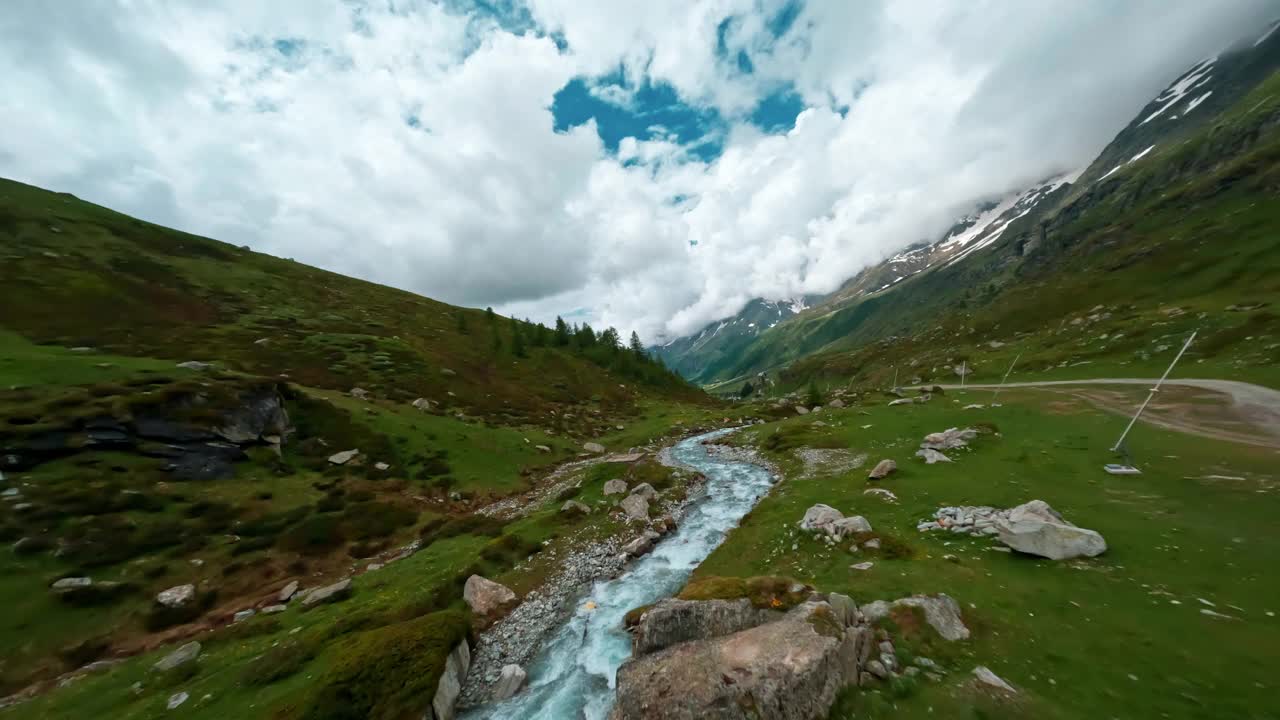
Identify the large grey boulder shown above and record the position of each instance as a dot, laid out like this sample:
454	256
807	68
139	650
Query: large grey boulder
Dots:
617	486
260	412
646	491
789	669
674	621
641	545
941	612
177	596
844	527
1037	529
636	507
509	683
488	600
183	655
820	517
450	685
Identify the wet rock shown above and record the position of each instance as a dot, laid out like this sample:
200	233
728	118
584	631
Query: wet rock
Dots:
882	470
642	544
183	655
511	681
488	600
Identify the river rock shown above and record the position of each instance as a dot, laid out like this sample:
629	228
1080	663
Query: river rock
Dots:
344	457
593	447
641	545
510	682
645	490
617	486
177	596
449	688
820	517
488	600
636	507
183	655
789	669
882	470
1037	529
336	592
674	621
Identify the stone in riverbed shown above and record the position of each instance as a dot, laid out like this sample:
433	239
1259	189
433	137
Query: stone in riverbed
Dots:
510	683
641	545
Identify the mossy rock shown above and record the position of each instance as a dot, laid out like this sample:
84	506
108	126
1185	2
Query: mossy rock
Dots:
766	591
388	673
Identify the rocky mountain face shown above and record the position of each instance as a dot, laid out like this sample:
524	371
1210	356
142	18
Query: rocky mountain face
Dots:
722	340
1208	117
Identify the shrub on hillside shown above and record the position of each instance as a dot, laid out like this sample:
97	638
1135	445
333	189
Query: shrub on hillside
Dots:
388	673
315	535
364	520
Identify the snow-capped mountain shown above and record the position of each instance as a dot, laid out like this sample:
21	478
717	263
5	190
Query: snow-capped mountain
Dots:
685	354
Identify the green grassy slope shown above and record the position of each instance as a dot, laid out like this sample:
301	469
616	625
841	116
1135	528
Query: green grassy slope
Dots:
1121	635
96	311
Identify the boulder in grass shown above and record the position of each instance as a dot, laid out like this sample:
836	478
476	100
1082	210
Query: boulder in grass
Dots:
617	486
820	517
1037	529
177	596
844	527
344	457
489	601
646	491
636	507
931	456
340	590
183	655
593	447
983	676
882	470
573	507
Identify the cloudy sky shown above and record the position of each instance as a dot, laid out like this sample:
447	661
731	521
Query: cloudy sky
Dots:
647	164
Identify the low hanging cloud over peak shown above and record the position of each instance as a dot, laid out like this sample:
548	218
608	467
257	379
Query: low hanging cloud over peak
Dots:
652	166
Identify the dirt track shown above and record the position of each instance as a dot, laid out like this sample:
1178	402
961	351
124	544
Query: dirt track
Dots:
1252	414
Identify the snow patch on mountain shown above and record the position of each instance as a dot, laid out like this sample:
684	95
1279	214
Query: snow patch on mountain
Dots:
1195	78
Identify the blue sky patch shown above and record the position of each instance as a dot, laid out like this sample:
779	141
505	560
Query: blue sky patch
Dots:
655	111
777	112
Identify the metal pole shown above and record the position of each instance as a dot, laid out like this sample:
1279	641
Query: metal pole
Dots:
996	394
1153	392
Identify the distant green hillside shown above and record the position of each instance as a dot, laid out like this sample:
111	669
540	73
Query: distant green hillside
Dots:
80	275
1110	275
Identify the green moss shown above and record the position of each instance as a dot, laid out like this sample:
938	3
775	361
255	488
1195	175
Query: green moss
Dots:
779	593
389	673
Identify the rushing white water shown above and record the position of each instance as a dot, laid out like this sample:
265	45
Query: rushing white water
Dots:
573	675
